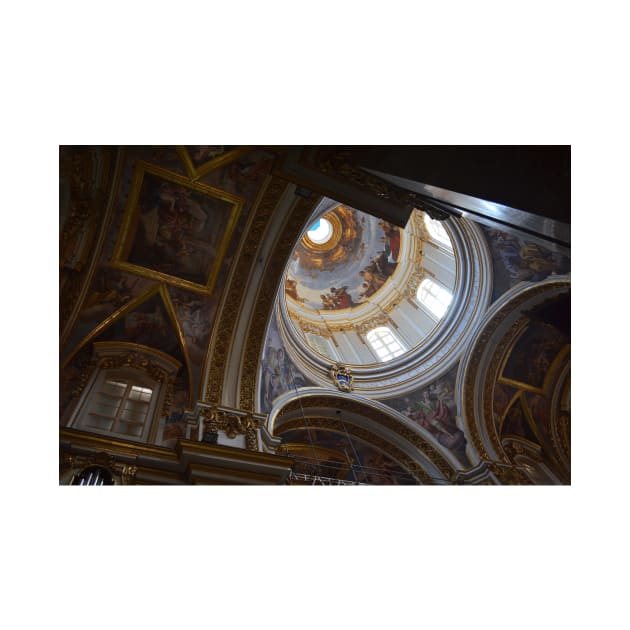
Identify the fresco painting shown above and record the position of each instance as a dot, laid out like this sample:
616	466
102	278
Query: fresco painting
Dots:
534	353
540	409
110	290
503	395
148	325
515	424
278	373
516	260
195	314
350	268
175	226
174	423
179	230
434	409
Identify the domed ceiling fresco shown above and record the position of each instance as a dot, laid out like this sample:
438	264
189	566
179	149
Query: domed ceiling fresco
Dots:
342	261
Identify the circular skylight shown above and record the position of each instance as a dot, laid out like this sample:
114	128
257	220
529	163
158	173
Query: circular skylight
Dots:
320	231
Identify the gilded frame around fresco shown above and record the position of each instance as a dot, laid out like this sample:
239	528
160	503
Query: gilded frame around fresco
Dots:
130	223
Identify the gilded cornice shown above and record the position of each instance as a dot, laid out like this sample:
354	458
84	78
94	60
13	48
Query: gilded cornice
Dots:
189	462
233	423
85	439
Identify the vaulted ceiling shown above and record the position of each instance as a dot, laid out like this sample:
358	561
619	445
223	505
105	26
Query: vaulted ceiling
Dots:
182	249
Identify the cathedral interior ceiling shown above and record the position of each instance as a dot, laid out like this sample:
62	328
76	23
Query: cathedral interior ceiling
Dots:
157	244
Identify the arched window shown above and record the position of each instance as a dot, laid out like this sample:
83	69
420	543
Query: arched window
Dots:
434	296
385	344
126	393
119	407
437	231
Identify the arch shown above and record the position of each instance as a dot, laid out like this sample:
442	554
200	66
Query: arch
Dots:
481	384
367	420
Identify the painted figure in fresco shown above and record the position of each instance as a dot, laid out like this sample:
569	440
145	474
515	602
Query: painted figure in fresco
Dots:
377	272
149	329
279	376
171	222
391	240
274	381
524	261
372	283
290	287
111	290
337	298
432	413
174	425
196	321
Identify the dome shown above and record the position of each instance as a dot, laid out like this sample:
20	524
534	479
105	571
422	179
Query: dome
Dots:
390	304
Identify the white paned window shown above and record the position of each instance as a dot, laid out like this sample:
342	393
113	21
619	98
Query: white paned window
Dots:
385	344
437	231
119	407
434	296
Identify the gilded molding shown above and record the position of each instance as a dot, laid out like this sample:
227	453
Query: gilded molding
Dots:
379	418
125	474
492	375
508	474
301	211
233	423
130	217
195	172
217	357
475	359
